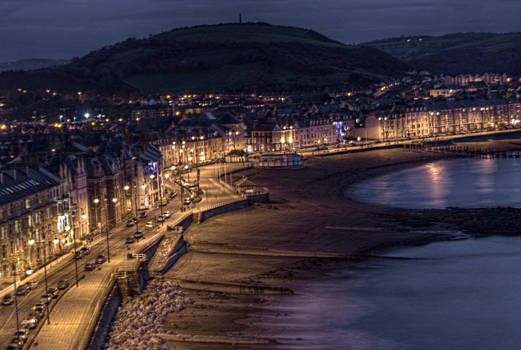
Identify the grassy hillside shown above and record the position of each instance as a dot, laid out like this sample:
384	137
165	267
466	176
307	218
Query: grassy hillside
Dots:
458	53
227	57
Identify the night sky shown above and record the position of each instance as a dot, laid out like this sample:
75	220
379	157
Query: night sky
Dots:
67	28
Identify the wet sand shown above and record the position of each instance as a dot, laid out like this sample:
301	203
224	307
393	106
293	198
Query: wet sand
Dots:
240	261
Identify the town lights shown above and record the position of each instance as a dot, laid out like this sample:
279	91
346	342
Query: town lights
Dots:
126	187
56	241
96	200
166	176
29	271
114	200
152	176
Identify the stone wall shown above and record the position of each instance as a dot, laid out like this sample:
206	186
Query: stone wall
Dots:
104	321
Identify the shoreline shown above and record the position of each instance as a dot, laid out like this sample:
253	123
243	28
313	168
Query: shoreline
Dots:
309	213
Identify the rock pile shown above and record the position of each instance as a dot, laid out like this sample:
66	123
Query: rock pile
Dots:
139	320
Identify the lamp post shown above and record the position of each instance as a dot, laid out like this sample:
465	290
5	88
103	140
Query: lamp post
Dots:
28	272
127	188
42	242
114	200
96	202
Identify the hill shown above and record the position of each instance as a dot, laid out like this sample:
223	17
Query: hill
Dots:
226	57
30	64
458	53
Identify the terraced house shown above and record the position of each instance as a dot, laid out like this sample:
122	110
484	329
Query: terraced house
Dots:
28	214
442	118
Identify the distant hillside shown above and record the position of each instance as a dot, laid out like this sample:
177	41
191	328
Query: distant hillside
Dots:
458	53
30	64
227	57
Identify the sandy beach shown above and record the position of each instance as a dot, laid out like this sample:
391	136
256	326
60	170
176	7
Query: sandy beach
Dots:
240	261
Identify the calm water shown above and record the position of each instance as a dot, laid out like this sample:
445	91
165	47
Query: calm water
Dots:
449	183
452	295
457	295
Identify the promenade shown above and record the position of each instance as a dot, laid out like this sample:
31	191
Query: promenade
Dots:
74	317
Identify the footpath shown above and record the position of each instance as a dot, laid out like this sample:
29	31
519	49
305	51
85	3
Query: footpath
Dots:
75	316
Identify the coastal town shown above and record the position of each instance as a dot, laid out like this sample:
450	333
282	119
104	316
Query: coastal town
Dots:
216	186
67	180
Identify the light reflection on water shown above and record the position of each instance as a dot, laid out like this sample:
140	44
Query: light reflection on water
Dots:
470	183
457	295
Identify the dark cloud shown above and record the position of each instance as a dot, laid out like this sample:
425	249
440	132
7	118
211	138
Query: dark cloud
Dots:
66	28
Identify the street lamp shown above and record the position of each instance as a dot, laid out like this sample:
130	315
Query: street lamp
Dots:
28	272
114	200
31	243
97	201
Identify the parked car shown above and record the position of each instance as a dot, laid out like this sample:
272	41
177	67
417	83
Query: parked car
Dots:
84	251
32	284
130	240
130	223
167	214
53	292
63	284
21	334
170	227
23	290
38	312
138	235
100	259
8	299
143	214
90	266
77	255
35	315
160	218
173	195
38	306
30	323
16	345
187	201
149	224
46	298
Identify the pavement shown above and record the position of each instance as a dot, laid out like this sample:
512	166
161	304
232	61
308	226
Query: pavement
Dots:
73	315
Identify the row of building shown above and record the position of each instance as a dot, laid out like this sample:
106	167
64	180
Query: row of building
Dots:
443	118
49	199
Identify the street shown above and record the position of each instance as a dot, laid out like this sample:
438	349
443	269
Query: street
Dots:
94	282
